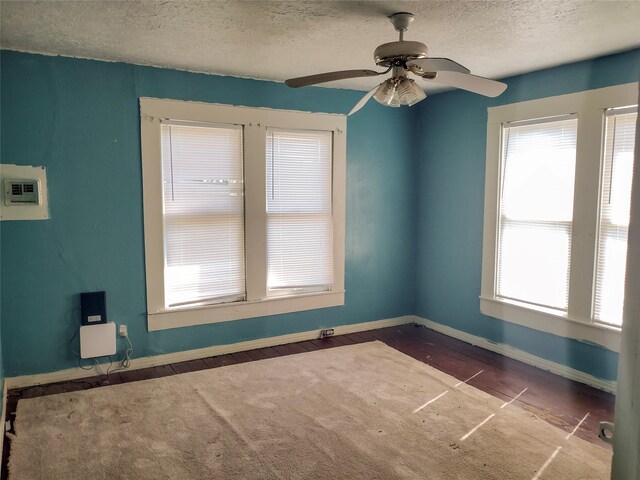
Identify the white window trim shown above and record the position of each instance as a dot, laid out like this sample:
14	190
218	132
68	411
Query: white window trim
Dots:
255	122
590	106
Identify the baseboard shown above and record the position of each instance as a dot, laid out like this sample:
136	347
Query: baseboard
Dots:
516	354
4	416
154	361
145	362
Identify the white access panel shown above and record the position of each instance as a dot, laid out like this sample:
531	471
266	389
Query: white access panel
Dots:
97	340
23	174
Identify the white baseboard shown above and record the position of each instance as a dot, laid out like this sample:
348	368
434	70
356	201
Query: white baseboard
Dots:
516	354
154	361
137	363
4	415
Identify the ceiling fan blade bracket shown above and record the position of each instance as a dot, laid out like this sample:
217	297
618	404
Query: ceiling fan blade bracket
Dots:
434	64
417	70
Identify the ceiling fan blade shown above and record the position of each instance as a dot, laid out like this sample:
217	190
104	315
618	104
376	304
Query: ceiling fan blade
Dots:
363	100
471	83
436	65
330	77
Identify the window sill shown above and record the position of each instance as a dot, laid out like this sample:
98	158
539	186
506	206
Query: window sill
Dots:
546	321
201	315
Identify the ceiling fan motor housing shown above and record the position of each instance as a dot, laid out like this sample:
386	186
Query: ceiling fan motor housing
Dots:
390	54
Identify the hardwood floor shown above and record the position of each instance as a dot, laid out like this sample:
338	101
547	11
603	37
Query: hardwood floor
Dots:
561	402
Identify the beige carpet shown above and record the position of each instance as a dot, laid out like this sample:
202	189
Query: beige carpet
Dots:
340	413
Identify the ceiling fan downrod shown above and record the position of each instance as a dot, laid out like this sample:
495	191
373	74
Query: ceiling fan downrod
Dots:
401	22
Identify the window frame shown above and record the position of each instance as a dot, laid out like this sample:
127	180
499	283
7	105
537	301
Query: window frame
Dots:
532	224
255	122
603	222
279	211
590	107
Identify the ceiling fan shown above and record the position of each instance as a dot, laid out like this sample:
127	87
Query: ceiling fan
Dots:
401	58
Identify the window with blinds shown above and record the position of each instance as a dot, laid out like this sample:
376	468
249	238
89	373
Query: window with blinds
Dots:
299	211
613	222
536	211
244	211
203	214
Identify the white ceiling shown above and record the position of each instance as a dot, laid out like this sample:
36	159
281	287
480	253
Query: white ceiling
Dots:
275	40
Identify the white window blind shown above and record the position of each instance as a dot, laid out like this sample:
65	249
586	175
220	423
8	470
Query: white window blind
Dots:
615	203
299	211
536	211
202	168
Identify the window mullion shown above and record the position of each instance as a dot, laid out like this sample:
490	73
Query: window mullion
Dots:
255	211
585	222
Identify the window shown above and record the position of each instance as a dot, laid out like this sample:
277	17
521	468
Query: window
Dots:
244	211
536	210
203	213
299	224
557	196
615	204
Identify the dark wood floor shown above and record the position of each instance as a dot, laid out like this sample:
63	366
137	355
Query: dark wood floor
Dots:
561	402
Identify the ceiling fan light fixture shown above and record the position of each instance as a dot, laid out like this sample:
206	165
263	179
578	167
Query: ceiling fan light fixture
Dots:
386	94
401	59
399	91
409	93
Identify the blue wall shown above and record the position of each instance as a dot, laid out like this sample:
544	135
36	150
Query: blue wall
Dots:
415	187
80	120
451	133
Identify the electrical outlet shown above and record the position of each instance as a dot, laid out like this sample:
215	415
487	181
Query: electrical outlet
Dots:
327	332
123	331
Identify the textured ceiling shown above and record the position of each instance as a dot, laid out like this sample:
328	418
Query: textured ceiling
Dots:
276	40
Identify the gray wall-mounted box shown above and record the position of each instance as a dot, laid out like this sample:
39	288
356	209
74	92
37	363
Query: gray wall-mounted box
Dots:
24	193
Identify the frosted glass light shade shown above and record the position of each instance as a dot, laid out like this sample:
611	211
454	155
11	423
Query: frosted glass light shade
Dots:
386	94
409	93
395	92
